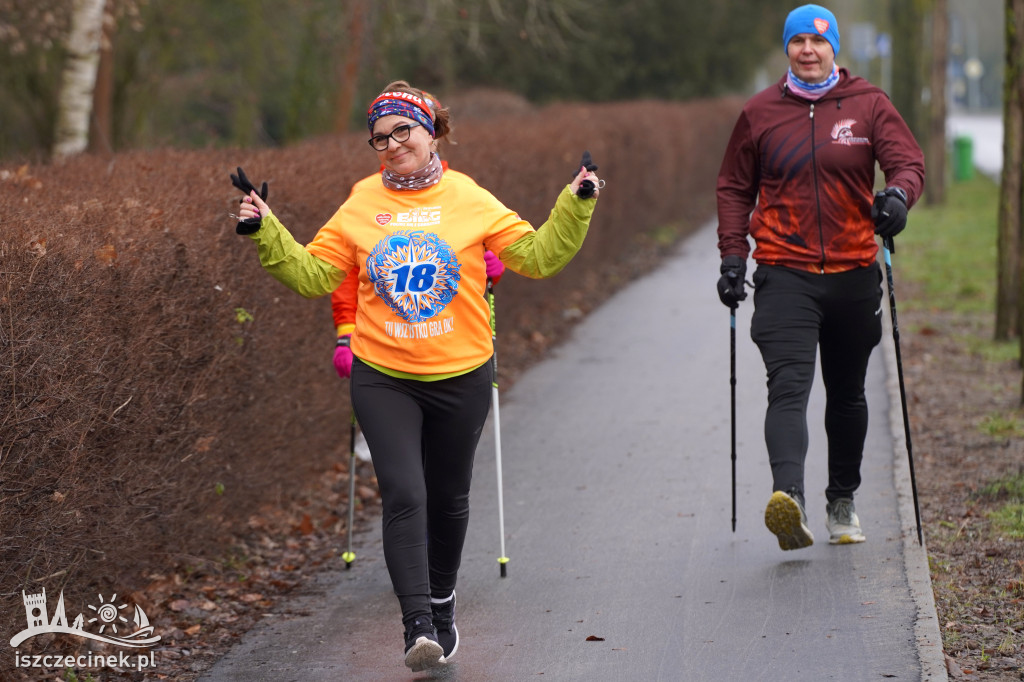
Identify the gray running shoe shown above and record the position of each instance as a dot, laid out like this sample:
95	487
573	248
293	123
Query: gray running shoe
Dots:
842	522
785	517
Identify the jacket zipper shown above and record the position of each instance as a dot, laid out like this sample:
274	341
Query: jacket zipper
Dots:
817	196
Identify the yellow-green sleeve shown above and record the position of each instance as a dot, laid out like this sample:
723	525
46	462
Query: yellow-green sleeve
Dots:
290	263
545	252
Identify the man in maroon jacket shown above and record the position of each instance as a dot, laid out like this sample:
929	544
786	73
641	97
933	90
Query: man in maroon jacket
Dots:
798	177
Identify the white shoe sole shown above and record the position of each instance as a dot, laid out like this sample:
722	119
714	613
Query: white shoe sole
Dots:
782	516
424	654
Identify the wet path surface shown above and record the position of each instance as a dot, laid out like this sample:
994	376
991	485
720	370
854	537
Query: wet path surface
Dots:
617	508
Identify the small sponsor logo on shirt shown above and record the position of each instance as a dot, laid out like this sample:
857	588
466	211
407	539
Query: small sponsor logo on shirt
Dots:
842	133
419	217
383	218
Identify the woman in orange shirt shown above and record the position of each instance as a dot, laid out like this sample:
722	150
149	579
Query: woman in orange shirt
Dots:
343	299
421	377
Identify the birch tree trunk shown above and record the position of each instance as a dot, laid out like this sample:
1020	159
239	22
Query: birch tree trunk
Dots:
78	79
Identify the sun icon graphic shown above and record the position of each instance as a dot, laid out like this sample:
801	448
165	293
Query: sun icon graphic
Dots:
108	614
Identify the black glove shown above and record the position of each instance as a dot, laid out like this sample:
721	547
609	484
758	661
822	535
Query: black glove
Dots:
889	211
586	188
730	284
249	225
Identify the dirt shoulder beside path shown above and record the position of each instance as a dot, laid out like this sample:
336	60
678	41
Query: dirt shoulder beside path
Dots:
963	409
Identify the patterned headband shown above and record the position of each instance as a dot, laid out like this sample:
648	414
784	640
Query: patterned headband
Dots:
400	104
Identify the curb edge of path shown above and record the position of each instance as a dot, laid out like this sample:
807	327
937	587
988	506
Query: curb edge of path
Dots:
915	556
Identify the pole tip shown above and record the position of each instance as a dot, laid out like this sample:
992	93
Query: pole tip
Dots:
503	563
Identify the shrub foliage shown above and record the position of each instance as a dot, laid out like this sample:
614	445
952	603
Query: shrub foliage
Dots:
157	387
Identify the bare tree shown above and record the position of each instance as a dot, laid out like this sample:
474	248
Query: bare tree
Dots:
351	59
78	79
907	22
102	128
935	177
1008	298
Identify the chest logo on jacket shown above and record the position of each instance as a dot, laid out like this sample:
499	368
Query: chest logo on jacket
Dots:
415	273
842	133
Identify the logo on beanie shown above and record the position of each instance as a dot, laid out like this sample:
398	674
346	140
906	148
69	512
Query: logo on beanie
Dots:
821	25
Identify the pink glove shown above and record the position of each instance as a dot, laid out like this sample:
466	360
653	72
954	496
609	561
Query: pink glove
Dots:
495	268
343	357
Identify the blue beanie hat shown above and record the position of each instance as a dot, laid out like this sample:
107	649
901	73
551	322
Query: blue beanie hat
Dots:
811	19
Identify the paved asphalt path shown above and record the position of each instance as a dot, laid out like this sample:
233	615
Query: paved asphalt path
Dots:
617	509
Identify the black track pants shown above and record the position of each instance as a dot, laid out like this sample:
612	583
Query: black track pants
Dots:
422	437
796	315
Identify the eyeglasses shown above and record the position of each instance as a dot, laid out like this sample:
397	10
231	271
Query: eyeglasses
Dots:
399	134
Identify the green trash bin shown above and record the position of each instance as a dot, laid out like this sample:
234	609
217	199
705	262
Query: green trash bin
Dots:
963	158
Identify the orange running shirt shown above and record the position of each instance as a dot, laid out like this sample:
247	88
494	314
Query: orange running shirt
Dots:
421	271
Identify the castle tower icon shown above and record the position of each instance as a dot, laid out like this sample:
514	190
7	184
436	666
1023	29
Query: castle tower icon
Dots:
35	608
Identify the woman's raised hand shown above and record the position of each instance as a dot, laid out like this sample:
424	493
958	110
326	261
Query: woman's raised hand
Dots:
582	190
586	184
253	206
249	215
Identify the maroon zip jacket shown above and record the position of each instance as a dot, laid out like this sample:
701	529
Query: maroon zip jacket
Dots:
798	176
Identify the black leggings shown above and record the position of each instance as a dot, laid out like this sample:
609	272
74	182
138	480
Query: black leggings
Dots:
797	314
422	437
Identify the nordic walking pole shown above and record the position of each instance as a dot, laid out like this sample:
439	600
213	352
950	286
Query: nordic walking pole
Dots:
502	560
348	555
890	247
732	388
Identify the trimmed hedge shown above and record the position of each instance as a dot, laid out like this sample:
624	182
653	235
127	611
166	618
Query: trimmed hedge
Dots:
157	387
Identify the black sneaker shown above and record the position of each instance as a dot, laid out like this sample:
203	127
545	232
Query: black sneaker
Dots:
785	517
421	648
444	621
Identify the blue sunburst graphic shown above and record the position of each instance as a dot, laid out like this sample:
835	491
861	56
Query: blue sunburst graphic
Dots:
416	273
